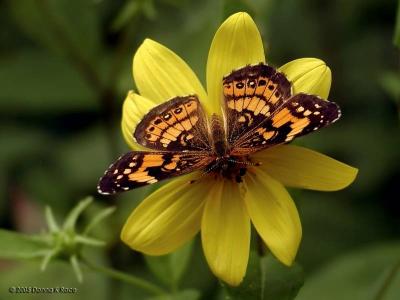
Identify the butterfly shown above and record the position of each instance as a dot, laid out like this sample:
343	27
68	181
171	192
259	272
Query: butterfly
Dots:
259	112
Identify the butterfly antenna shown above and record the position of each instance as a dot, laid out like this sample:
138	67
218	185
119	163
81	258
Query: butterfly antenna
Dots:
208	170
247	163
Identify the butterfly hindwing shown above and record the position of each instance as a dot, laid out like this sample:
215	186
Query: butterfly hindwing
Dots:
251	95
297	116
136	169
178	124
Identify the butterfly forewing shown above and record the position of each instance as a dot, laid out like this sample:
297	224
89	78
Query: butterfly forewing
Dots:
136	169
176	125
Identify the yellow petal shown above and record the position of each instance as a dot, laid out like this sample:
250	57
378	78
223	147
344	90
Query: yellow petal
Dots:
309	75
236	44
133	110
225	232
296	166
167	218
160	74
274	215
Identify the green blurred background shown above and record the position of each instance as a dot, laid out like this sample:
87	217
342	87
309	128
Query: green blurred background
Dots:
65	68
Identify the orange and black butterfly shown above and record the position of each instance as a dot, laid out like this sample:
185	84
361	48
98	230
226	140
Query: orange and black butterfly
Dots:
259	111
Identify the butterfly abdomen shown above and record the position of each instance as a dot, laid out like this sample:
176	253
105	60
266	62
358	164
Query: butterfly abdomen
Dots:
218	135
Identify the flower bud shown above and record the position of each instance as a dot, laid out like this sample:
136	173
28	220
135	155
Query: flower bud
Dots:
309	75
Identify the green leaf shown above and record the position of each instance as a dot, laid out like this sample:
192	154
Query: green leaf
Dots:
76	267
47	258
396	37
89	241
72	217
106	230
98	218
170	268
19	246
129	11
183	295
267	279
50	220
365	274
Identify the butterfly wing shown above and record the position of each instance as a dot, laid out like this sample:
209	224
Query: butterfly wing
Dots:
176	125
251	95
136	169
299	115
260	111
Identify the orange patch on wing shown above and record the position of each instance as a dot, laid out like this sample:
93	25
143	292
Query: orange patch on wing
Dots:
173	132
282	118
170	166
136	175
155	130
253	103
186	124
191	106
168	136
273	99
239	92
194	119
268	92
261	130
228	89
239	104
269	134
259	107
250	89
149	160
152	137
298	126
261	88
265	110
161	125
246	101
165	142
145	179
182	114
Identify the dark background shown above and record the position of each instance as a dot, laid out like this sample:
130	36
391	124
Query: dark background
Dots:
65	68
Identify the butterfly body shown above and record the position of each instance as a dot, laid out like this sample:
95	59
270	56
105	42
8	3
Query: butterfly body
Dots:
259	112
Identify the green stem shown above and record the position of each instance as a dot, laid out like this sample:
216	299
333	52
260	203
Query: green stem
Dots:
388	281
130	279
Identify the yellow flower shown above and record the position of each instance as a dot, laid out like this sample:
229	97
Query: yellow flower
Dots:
222	210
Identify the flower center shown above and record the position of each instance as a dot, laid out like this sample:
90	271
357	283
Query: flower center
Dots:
230	167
